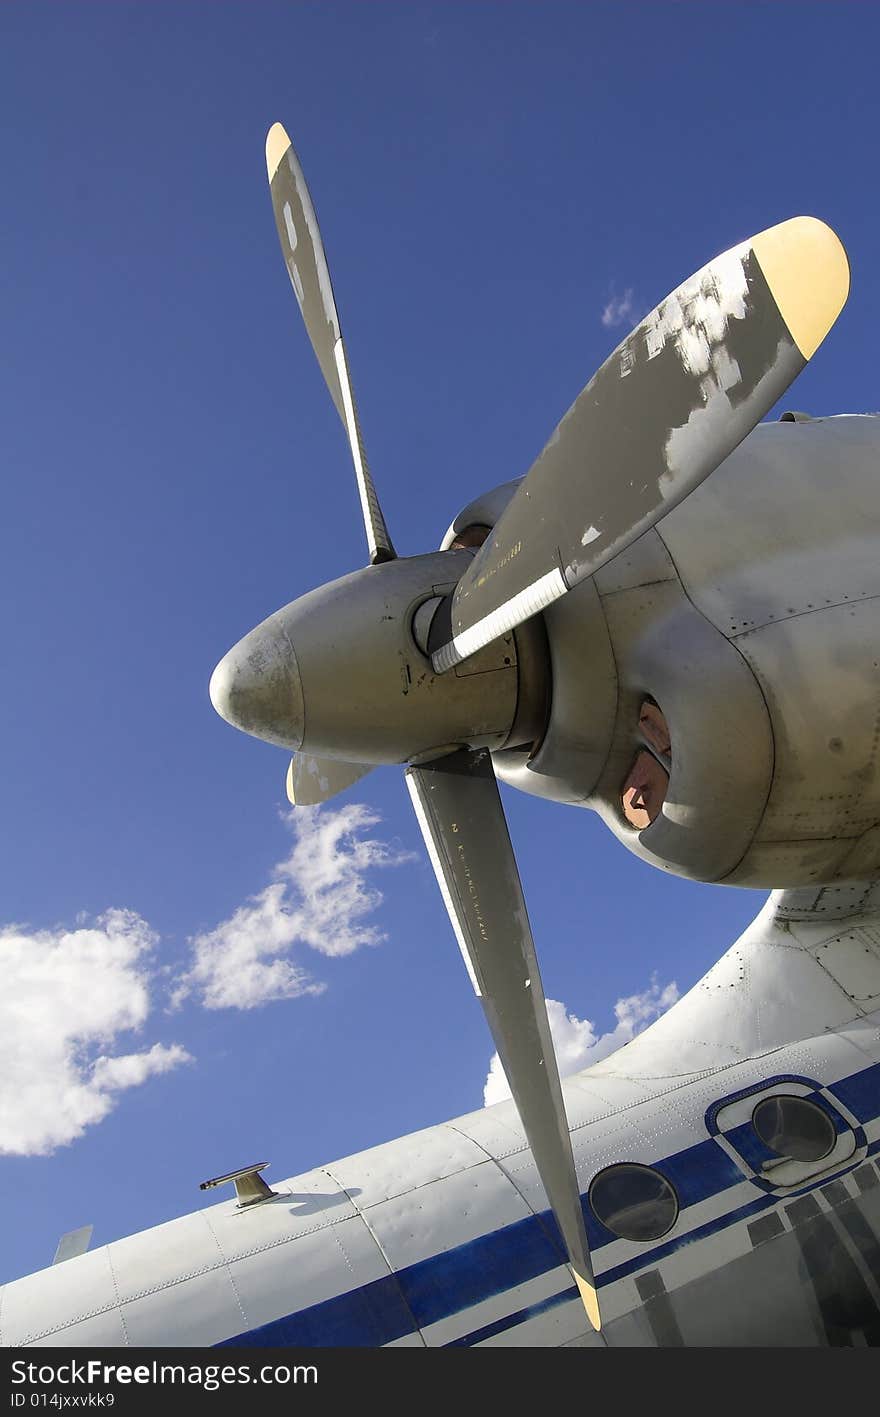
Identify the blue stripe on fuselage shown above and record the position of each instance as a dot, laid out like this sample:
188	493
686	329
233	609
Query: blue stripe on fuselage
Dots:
479	1269
457	1279
368	1317
859	1093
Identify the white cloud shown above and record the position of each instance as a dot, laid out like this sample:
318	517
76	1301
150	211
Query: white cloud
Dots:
131	1069
66	996
619	310
320	898
575	1040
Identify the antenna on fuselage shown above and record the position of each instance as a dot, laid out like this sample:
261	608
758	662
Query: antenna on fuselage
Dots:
73	1244
250	1188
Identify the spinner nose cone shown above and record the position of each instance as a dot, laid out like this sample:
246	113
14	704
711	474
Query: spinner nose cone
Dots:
256	687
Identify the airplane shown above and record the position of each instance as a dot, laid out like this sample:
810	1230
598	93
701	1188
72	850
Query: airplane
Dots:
671	619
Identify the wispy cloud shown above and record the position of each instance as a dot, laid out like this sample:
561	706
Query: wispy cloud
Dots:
131	1069
67	995
619	310
575	1041
320	897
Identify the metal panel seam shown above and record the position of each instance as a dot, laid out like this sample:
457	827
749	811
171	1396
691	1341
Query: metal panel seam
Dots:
225	1264
110	1308
851	1001
379	1246
118	1301
642	585
258	1249
799	614
760	689
610	639
180	1279
539	1215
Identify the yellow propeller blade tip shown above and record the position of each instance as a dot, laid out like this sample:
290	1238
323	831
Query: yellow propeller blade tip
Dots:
807	270
277	143
291	795
590	1298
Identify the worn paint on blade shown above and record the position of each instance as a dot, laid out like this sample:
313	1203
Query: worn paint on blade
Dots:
696	316
306	263
633	447
291	228
312	780
706	422
322	271
293	272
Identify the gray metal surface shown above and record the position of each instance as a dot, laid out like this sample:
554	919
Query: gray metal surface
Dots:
306	263
338	673
722	748
794	585
460	813
311	780
584	688
484	510
796	516
759	646
781	981
674	399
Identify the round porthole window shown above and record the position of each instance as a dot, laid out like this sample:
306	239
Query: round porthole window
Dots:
634	1202
794	1127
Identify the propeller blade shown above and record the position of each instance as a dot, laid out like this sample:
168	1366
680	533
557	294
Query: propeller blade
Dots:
672	401
309	274
459	810
312	780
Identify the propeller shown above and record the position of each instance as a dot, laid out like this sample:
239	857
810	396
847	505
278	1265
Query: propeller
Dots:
413	660
312	780
307	267
459	810
673	400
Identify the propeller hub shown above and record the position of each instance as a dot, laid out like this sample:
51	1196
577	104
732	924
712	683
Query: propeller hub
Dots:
256	686
342	673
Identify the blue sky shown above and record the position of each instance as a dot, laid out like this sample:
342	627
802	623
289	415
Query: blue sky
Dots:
490	179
